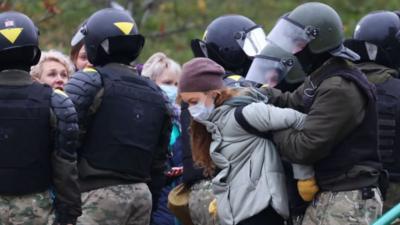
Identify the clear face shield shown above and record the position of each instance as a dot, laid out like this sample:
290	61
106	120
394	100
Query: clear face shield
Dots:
252	41
291	36
268	70
79	35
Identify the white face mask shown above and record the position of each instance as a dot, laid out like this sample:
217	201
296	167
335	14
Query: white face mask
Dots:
200	112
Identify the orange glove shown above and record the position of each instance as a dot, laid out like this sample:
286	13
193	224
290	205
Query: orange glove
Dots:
307	189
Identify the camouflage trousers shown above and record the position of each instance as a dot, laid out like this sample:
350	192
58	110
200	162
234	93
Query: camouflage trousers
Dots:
344	208
121	204
199	199
33	209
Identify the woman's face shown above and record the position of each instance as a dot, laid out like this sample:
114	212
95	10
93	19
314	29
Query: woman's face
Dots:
168	77
54	74
193	98
82	60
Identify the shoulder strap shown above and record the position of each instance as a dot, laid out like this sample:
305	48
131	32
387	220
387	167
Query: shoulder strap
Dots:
352	74
247	126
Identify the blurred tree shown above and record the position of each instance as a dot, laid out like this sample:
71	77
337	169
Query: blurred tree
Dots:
169	25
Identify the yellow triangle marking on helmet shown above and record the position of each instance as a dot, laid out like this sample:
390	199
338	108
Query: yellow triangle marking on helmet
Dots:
60	92
125	27
89	70
11	33
234	77
205	35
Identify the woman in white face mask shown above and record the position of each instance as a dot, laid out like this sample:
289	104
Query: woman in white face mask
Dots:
229	135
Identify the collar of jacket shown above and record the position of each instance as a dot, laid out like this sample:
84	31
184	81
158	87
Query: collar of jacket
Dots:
15	77
120	65
377	73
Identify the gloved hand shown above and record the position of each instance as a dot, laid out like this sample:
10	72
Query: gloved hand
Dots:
212	208
307	189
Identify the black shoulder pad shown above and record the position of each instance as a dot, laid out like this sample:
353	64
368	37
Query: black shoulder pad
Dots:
82	82
82	88
63	107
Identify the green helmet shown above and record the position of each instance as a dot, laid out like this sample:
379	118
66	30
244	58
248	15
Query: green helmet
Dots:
312	24
274	64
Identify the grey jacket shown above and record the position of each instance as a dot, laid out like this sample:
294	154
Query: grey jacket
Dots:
251	176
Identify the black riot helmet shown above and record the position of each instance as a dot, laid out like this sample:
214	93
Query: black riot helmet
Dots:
382	29
19	42
231	41
111	35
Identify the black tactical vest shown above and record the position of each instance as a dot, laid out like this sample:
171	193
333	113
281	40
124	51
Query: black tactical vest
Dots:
24	139
360	147
388	103
127	127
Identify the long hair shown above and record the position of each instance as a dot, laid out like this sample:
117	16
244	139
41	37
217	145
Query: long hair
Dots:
201	138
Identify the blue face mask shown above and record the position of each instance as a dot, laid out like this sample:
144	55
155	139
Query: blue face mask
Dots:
171	91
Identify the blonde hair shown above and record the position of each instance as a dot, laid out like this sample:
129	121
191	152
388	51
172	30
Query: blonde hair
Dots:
52	55
157	64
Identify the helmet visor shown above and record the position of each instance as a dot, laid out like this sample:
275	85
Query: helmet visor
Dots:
291	36
199	48
251	41
267	70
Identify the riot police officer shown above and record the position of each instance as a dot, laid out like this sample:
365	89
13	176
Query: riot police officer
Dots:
340	133
38	134
379	49
125	120
231	41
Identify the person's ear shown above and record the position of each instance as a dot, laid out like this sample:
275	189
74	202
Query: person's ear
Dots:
215	94
35	78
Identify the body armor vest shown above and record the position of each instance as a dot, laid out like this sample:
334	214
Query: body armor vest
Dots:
127	128
25	139
389	126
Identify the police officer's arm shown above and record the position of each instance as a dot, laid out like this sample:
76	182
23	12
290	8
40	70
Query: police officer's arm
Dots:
65	172
338	108
82	89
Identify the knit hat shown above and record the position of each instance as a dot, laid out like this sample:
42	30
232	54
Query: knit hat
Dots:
200	75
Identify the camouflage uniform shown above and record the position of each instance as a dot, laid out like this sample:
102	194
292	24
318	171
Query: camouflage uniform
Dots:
199	199
25	210
343	208
121	204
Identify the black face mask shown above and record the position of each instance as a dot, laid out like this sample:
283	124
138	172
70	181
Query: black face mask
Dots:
389	57
394	54
310	61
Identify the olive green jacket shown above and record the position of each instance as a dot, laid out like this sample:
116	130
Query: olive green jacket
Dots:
376	73
338	108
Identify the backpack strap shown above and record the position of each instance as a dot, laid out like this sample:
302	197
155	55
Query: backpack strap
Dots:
247	126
